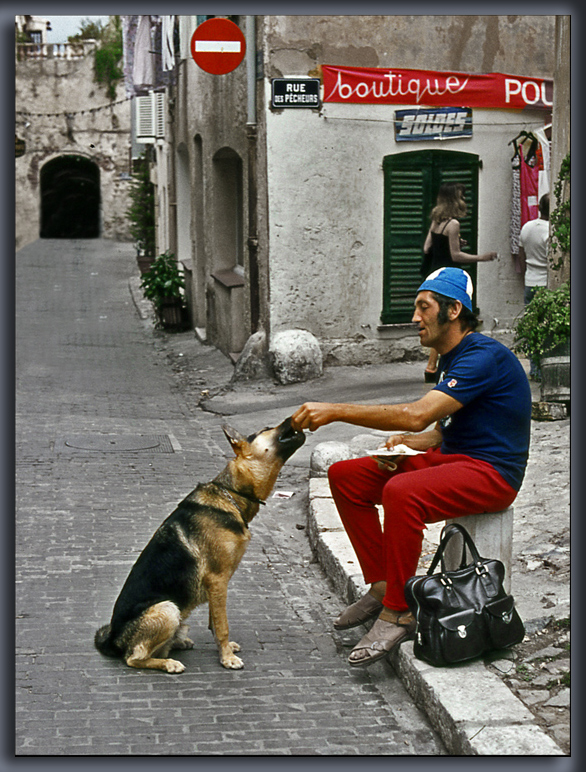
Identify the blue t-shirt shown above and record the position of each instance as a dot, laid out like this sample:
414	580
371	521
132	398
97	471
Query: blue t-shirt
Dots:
495	423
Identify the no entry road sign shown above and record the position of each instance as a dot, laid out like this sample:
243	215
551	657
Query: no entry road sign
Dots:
218	46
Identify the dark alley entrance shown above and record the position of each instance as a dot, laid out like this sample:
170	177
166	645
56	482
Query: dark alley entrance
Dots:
70	198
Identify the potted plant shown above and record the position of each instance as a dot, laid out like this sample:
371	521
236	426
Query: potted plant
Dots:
163	284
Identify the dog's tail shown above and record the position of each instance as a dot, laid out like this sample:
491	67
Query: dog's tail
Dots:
103	642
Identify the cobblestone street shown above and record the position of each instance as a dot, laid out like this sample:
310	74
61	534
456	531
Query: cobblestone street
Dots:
105	449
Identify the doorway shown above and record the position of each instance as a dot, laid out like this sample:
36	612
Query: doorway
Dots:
411	184
70	198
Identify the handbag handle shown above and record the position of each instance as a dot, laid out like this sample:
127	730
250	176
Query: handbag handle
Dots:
451	529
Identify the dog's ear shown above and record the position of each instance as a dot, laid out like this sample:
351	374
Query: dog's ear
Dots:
234	438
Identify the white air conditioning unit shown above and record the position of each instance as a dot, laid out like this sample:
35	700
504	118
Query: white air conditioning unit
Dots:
150	117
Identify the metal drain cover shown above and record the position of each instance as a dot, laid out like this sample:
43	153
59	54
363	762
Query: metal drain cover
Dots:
117	443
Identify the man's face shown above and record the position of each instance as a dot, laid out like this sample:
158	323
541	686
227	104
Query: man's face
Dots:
425	316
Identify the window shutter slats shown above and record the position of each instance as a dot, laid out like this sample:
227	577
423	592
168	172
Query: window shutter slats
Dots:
159	111
150	117
412	180
145	121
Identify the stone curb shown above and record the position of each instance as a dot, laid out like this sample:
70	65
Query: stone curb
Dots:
143	306
472	710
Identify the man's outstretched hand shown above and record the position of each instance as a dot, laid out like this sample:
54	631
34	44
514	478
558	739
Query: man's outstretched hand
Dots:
312	415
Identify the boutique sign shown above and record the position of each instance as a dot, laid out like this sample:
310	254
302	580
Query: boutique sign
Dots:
369	85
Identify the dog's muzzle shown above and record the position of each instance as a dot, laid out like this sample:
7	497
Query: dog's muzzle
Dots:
289	439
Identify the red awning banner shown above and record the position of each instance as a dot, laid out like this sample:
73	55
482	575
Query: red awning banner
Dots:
390	86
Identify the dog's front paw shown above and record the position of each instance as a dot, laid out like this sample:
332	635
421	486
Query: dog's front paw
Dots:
232	662
174	666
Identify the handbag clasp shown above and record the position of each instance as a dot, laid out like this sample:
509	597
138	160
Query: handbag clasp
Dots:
462	631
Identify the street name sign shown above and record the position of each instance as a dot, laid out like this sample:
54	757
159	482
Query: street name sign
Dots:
218	46
295	92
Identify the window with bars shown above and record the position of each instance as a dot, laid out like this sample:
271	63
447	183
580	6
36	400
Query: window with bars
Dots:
411	183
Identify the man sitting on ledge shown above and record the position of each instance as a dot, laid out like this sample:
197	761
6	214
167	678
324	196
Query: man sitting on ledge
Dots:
474	460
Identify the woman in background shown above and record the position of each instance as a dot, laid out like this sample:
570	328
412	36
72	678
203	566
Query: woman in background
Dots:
443	246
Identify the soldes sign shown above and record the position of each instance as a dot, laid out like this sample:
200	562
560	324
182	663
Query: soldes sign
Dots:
369	85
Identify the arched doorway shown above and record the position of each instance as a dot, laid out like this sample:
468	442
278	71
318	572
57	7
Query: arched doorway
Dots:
70	198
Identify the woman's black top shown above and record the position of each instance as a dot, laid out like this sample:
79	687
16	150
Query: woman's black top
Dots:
440	250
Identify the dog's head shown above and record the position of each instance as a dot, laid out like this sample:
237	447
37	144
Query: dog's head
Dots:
279	442
260	457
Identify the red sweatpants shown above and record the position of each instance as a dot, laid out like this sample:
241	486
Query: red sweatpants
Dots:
424	489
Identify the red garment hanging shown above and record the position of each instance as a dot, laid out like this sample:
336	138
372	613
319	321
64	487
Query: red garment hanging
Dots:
526	165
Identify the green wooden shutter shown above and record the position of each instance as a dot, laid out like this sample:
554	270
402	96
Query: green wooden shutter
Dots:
411	183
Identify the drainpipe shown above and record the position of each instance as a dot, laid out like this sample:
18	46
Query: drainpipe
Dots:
253	275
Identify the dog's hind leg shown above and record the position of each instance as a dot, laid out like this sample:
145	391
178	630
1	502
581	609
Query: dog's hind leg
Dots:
217	596
153	637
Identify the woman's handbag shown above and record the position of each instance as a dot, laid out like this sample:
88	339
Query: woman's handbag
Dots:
464	613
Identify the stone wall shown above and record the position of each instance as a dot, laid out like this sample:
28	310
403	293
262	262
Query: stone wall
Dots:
62	111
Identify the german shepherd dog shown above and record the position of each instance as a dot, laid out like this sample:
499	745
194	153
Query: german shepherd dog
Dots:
192	556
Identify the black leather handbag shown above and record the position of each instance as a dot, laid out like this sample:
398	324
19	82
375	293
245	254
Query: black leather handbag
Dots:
464	613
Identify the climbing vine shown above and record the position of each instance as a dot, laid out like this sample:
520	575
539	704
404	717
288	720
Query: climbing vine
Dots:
108	53
560	218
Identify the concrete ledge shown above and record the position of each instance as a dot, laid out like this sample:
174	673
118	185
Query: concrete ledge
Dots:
472	710
492	533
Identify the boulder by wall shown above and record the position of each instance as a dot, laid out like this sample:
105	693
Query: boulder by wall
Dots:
295	356
327	453
252	364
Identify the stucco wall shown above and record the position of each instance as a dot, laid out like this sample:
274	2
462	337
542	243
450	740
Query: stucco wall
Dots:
212	156
48	86
325	179
519	44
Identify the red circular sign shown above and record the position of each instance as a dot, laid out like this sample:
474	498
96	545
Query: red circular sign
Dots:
218	46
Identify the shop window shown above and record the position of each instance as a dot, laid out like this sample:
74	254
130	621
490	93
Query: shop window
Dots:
411	183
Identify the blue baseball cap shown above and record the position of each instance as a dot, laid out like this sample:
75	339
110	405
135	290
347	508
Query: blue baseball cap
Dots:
453	283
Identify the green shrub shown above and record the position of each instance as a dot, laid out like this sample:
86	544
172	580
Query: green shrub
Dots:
164	281
141	212
545	323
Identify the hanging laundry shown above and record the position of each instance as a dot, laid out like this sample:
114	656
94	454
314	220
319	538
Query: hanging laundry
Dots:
143	70
129	27
545	167
526	163
168	23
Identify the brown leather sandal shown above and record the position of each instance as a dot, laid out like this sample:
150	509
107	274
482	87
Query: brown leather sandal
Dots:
358	613
382	638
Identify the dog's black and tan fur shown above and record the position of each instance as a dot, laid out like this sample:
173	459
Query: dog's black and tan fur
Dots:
192	556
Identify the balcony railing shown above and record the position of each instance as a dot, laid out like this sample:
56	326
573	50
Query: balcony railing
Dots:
28	51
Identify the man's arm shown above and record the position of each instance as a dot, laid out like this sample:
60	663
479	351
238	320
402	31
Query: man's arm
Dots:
409	417
421	441
522	260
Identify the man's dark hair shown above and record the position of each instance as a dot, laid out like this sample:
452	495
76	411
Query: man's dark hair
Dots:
467	319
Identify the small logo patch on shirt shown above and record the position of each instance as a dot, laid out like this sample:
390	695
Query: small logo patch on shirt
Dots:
452	383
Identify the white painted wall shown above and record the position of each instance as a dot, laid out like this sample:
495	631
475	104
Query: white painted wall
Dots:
325	183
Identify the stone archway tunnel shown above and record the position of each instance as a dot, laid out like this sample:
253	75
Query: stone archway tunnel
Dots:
70	198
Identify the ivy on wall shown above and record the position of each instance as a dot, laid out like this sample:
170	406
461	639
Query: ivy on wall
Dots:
108	53
560	217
